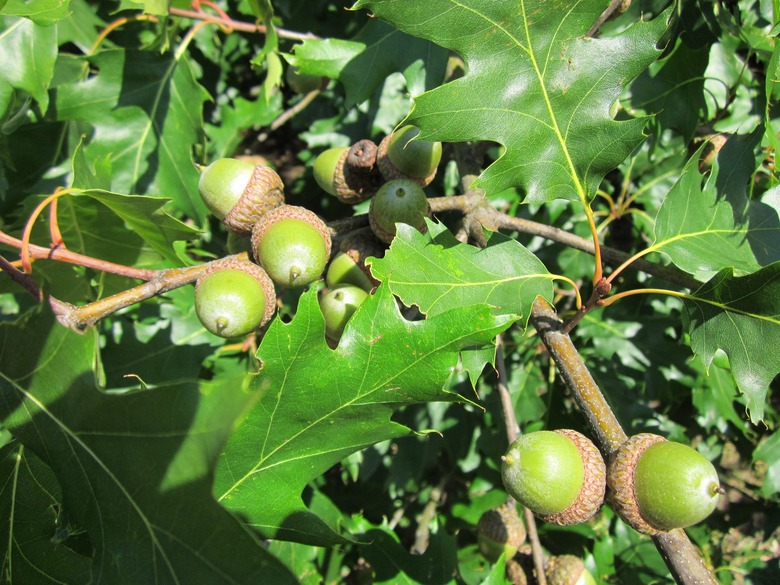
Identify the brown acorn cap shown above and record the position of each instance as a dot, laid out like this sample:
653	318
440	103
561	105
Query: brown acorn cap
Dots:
594	482
389	170
362	244
236	263
564	570
291	212
263	192
515	573
620	478
503	525
356	177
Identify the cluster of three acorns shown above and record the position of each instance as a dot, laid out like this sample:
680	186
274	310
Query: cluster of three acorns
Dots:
291	245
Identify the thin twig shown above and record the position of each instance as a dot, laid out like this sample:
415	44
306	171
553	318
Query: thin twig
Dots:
512	431
80	319
488	216
64	255
614	6
289	114
24	280
240	25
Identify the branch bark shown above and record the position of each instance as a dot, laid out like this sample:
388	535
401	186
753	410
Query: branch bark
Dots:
681	556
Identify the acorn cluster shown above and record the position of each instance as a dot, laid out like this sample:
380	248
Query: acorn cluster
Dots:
392	174
653	484
291	247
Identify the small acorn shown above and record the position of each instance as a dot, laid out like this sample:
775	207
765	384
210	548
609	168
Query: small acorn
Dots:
338	304
500	531
559	475
348	266
567	570
292	244
234	298
515	573
400	156
325	168
350	174
239	192
302	82
657	485
398	201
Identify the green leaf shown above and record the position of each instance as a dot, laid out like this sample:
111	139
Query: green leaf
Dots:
741	316
392	564
363	63
42	12
437	273
28	52
673	89
135	469
159	7
703	227
38	544
534	84
145	217
768	453
321	405
146	112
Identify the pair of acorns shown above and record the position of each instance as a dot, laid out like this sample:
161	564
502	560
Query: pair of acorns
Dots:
291	246
653	484
500	531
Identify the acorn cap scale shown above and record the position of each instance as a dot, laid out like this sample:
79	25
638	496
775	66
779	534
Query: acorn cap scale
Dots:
263	192
594	483
500	531
620	478
567	570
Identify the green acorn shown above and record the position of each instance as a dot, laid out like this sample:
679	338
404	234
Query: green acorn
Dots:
234	298
400	156
500	531
398	201
239	192
559	475
292	244
656	485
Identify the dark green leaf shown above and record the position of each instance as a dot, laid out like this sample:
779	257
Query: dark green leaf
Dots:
135	469
321	405
534	84
673	89
741	316
38	544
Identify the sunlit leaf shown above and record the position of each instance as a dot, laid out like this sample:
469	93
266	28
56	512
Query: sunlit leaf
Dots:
321	405
27	52
437	273
704	228
146	112
534	84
